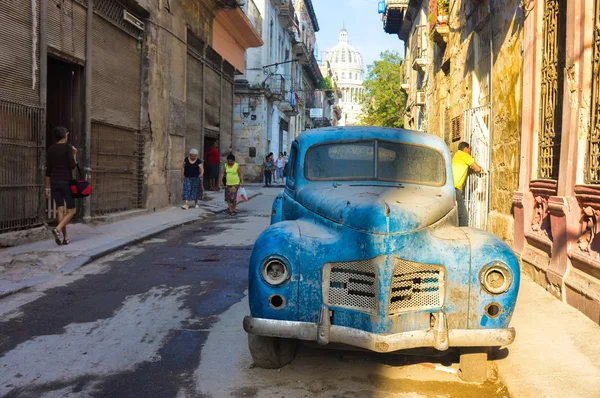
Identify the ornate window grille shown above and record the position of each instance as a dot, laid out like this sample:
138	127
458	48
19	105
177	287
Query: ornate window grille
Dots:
551	101
593	158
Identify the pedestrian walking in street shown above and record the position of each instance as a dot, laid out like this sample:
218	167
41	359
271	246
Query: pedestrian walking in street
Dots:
234	179
462	161
213	158
279	165
192	172
266	169
272	168
61	160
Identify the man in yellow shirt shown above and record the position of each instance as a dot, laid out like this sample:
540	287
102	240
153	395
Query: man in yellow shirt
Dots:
461	162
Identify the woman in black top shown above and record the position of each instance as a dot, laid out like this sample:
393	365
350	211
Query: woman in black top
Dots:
191	176
60	163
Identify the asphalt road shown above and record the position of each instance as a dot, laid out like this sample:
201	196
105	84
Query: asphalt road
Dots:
163	319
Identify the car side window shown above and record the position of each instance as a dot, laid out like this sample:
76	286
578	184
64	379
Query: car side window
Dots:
293	162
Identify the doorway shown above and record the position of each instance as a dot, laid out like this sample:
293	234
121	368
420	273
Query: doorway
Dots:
208	143
64	107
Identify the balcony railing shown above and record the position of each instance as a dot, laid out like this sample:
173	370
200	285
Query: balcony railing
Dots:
418	47
287	13
394	14
254	16
276	85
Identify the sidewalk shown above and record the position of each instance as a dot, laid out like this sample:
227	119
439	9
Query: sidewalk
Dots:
38	262
556	352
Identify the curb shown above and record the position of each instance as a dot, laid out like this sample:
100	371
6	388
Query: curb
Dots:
101	251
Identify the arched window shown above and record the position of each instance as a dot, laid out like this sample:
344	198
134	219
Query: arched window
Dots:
343	75
337	57
343	55
350	57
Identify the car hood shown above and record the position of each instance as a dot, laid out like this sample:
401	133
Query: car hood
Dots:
379	209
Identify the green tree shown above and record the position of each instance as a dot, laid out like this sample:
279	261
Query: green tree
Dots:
383	104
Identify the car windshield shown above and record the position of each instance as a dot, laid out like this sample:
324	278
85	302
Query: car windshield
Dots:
396	161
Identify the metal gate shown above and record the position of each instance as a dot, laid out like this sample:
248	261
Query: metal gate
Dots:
477	188
21	117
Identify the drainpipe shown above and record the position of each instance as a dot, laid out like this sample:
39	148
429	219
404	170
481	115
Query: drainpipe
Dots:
87	136
43	99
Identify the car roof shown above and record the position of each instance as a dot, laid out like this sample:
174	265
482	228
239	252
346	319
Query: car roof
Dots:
355	133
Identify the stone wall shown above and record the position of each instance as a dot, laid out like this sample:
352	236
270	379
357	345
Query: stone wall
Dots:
250	139
458	82
164	91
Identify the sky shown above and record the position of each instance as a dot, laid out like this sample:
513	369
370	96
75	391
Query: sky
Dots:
363	23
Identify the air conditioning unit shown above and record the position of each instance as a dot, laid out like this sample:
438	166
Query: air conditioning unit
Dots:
132	19
420	98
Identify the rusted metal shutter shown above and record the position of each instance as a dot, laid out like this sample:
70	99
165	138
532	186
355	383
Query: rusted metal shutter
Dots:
117	145
66	28
116	75
19	52
21	118
194	106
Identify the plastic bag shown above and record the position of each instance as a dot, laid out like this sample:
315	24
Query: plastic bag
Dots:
242	196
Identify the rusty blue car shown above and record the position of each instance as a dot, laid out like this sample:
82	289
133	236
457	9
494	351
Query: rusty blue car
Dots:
364	250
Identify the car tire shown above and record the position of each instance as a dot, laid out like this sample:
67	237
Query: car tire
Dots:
473	364
271	352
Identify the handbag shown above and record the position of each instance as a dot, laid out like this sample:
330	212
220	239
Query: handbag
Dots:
80	188
224	180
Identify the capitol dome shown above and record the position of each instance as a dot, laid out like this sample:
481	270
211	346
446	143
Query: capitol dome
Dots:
343	55
346	64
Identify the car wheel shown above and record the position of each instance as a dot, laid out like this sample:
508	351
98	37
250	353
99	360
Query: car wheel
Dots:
271	352
474	364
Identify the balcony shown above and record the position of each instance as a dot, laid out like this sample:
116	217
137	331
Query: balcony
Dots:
287	14
276	86
254	16
312	67
394	15
418	48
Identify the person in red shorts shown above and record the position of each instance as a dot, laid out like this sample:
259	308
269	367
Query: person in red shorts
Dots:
213	158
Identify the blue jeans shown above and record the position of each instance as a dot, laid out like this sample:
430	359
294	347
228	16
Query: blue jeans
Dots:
268	176
463	214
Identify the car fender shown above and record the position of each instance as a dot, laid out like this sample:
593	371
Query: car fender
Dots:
277	209
280	241
487	248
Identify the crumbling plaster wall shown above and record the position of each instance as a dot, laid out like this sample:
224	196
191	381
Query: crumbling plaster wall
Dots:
164	91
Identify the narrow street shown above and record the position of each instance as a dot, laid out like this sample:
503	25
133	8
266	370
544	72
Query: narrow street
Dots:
163	319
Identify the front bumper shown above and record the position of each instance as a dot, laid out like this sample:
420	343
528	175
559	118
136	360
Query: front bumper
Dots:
438	337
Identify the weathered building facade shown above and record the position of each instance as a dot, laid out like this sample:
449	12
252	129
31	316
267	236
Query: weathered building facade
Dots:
463	82
274	94
557	203
127	78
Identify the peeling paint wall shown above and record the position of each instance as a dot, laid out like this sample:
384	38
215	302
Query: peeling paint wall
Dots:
164	91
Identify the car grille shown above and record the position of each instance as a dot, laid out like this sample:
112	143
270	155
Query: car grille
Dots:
416	286
352	285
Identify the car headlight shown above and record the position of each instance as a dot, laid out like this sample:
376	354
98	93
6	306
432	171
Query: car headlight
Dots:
496	278
275	272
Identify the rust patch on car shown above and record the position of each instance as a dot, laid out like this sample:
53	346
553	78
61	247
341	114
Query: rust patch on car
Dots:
382	347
